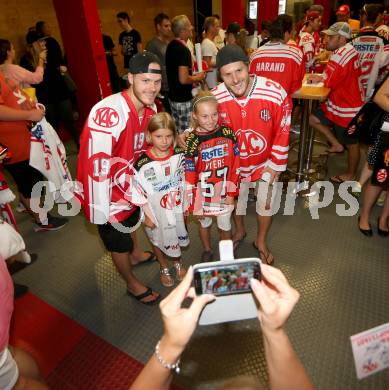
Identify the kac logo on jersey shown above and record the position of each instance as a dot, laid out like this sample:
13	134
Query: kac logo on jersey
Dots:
106	117
251	143
265	115
170	200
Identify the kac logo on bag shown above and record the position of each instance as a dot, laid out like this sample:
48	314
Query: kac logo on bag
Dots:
382	175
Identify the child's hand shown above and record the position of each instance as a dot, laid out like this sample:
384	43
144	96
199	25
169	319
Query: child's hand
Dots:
149	223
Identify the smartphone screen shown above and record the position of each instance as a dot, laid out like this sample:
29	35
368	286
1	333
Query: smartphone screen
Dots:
228	279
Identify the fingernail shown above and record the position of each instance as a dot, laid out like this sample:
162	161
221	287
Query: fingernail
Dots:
254	282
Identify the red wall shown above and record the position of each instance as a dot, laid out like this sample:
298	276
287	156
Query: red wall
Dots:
327	4
79	23
233	11
267	10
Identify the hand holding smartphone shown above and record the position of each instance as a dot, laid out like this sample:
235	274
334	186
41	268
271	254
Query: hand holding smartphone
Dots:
226	277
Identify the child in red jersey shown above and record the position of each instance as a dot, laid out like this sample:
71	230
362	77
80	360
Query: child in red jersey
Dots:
211	170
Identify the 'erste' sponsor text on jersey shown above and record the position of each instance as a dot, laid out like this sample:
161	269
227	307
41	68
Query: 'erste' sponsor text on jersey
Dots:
212	168
373	55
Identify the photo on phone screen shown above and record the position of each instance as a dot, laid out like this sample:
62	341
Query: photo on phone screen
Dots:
226	279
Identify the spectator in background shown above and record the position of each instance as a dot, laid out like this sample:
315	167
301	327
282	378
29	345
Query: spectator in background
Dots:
343	15
373	53
383	29
15	72
264	36
373	50
316	34
130	40
158	46
110	54
306	40
179	72
16	114
236	36
300	24
209	49
220	37
54	91
35	45
277	60
379	182
342	76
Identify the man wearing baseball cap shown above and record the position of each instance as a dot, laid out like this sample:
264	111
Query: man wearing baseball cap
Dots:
343	15
342	75
306	41
114	136
258	111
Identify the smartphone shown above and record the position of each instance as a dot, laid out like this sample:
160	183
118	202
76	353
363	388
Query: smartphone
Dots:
226	278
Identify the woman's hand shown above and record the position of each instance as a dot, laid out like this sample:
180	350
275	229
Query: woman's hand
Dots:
43	55
179	322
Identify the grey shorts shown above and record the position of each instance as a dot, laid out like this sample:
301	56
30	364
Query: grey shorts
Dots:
181	112
338	131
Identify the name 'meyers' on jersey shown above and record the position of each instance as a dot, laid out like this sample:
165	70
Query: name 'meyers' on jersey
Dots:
261	122
211	170
113	137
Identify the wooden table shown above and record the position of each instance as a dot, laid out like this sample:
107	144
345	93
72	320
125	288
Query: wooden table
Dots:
310	95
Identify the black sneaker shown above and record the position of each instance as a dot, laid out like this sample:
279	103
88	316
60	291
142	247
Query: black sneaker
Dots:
19	290
54	223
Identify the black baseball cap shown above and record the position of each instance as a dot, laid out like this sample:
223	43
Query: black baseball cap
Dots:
33	36
139	63
233	28
229	54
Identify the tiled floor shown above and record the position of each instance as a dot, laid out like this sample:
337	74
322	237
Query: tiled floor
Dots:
343	278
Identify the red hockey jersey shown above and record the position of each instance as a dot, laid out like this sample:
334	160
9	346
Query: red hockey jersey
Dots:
373	53
212	168
342	74
261	122
112	139
279	62
306	42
